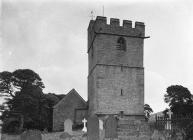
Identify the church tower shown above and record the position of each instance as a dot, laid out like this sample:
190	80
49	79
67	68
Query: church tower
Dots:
116	72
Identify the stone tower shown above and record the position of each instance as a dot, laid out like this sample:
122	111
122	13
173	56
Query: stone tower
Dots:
116	79
116	72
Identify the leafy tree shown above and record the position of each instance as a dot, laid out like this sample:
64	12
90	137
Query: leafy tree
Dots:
180	102
17	80
52	98
179	99
189	131
26	106
6	88
147	110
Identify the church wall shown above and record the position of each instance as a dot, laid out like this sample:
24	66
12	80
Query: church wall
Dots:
65	110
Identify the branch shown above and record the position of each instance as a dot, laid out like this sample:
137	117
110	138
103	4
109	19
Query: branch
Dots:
11	94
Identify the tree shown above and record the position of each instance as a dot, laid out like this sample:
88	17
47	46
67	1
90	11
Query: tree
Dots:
189	131
26	104
180	102
6	88
147	110
17	80
179	99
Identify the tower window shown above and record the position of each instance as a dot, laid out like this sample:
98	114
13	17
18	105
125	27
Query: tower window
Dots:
121	92
121	44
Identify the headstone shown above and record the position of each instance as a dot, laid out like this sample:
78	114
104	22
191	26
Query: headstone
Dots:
31	135
68	126
101	124
111	127
101	130
170	114
93	128
168	124
84	128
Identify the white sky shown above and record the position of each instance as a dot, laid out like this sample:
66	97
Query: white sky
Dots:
50	37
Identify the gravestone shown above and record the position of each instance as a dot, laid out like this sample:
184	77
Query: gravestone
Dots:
93	128
31	135
68	126
84	128
101	124
111	127
101	130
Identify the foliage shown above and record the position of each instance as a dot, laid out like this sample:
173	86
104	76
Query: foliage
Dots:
17	80
26	107
5	84
147	110
179	99
180	102
189	131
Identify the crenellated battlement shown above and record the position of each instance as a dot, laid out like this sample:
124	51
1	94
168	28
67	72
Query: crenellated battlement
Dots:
100	26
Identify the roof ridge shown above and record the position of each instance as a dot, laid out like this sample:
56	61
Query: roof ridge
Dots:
64	98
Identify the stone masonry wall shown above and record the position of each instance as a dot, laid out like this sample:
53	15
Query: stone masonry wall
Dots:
65	110
116	77
104	51
118	89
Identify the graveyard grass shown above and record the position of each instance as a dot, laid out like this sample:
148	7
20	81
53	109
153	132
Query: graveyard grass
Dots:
47	136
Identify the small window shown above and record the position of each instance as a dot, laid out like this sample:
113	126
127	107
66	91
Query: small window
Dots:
121	44
121	92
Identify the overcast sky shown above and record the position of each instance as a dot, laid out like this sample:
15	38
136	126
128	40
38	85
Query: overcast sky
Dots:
50	37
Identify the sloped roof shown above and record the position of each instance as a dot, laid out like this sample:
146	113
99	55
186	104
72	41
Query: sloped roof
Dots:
67	95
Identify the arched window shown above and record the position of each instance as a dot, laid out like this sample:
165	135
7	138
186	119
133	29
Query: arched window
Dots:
121	44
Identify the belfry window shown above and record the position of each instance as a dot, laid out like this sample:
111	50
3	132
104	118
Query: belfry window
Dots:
121	92
121	44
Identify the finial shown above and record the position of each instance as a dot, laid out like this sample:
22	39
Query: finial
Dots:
92	15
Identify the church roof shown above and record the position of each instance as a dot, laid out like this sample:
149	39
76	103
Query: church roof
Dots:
73	91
